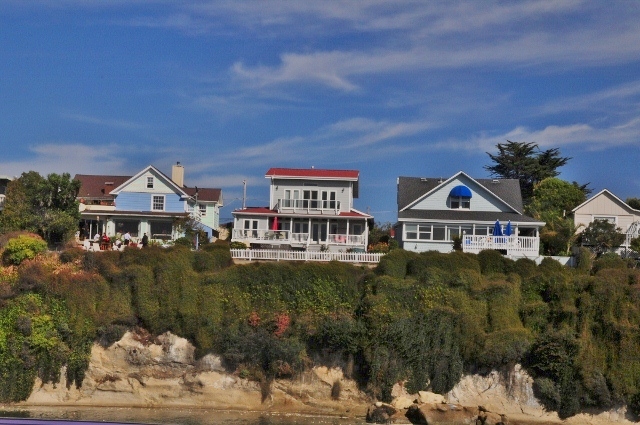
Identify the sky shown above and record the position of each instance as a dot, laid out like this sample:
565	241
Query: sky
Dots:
390	88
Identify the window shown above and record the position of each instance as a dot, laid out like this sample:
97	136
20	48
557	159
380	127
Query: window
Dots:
203	210
439	233
161	229
149	182
419	231
329	200
157	203
460	202
300	227
610	219
310	199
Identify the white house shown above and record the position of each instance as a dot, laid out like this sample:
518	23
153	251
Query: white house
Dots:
433	211
149	202
606	206
310	209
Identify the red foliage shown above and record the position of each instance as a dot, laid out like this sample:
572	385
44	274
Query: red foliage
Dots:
282	324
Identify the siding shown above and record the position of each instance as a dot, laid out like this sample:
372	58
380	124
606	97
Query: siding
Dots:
129	201
481	199
344	197
139	185
605	205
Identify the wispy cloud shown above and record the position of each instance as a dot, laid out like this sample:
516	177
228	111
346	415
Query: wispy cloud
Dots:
121	124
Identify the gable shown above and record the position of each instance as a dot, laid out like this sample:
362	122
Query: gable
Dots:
139	184
437	197
604	203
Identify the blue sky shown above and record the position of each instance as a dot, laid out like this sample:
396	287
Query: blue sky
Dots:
390	88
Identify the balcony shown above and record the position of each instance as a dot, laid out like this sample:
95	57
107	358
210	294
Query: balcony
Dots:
517	246
308	206
285	237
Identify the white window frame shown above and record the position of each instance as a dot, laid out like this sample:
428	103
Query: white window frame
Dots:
153	202
610	218
461	202
150	182
202	208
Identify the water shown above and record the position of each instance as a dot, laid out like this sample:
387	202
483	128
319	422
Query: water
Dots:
175	416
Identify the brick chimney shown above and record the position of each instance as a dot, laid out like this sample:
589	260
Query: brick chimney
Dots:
177	174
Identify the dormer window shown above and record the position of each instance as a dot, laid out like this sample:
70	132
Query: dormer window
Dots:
460	198
149	182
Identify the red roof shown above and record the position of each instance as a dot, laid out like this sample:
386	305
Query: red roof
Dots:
313	172
270	212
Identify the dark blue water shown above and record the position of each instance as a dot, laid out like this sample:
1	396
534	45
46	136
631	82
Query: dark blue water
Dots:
174	416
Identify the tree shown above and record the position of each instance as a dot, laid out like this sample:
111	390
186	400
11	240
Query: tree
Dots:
633	203
603	236
46	206
527	163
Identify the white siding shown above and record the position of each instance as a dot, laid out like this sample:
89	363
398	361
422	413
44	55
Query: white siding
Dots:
342	190
140	184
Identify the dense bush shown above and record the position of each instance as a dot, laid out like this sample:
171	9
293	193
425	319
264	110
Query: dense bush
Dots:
395	263
492	261
23	248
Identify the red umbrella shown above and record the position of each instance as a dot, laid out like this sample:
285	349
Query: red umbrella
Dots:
274	226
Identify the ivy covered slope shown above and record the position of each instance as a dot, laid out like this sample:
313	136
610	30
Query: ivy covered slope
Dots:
421	318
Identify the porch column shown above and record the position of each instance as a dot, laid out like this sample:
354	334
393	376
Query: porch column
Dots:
310	232
366	234
347	231
290	227
327	232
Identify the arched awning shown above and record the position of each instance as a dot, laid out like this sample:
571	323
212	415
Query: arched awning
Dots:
460	190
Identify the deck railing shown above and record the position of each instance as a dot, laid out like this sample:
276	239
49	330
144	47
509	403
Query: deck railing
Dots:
309	205
512	244
281	255
285	236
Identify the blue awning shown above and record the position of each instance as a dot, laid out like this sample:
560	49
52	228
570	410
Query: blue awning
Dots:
461	190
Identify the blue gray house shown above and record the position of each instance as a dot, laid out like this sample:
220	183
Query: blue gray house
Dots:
149	202
483	213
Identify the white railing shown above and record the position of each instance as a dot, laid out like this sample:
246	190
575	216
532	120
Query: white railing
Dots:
514	245
284	236
340	239
280	255
309	205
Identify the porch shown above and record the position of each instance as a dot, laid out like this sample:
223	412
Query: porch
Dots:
281	255
298	239
517	246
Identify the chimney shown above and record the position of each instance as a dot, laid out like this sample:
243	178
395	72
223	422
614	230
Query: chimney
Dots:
177	174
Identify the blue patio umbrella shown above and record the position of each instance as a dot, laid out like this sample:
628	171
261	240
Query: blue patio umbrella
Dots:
497	229
507	230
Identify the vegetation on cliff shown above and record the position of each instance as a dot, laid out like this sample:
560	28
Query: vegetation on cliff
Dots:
424	319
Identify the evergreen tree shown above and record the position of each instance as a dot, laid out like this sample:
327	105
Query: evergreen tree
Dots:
527	163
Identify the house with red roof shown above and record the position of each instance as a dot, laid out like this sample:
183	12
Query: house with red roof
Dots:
309	209
149	202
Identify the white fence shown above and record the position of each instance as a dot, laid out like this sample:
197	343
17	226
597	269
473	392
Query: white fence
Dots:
277	255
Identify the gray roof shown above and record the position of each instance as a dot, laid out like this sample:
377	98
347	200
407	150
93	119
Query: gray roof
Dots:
455	215
411	189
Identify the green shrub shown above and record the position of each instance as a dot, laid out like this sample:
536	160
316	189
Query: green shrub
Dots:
609	260
525	267
184	241
547	392
211	258
506	347
395	263
492	261
237	245
72	254
23	248
585	260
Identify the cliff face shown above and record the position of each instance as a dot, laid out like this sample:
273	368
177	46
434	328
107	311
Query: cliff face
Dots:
136	372
139	373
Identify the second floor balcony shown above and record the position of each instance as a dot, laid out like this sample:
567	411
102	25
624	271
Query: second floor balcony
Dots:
308	206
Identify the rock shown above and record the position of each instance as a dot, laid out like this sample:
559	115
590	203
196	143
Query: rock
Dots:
210	363
416	416
429	397
402	402
380	414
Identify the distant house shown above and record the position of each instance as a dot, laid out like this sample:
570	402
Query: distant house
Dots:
606	206
309	209
4	182
149	202
432	212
